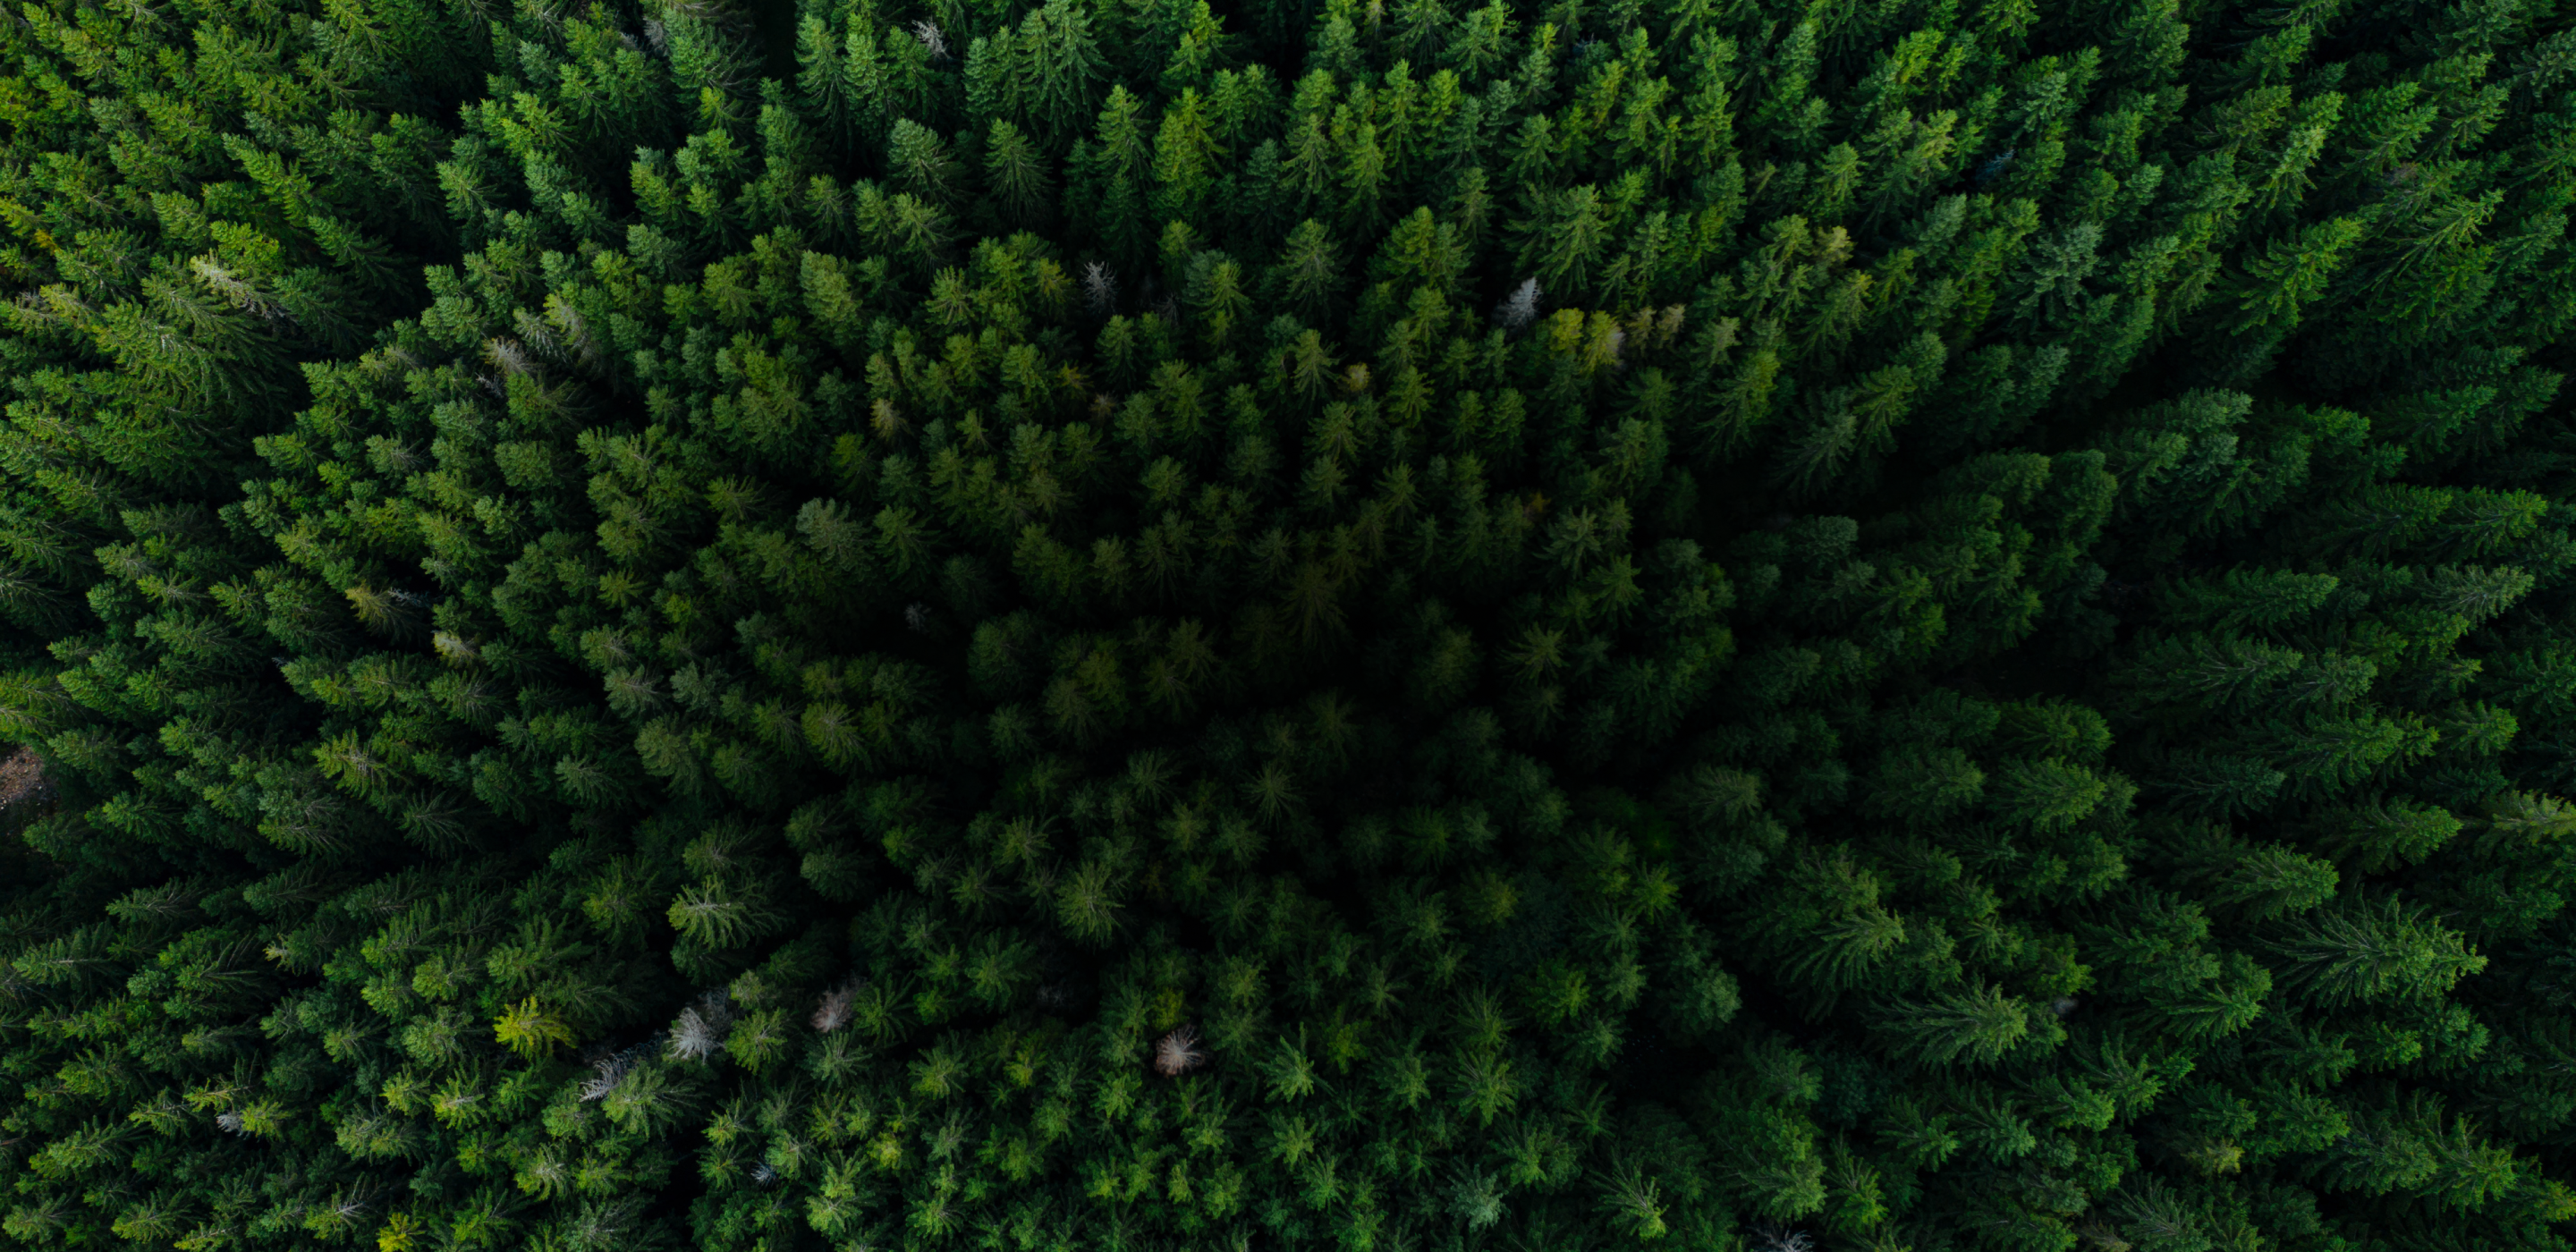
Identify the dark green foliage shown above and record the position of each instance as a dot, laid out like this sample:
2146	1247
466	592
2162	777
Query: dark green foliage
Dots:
1136	624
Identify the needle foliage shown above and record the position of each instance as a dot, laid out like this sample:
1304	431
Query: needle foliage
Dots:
1892	625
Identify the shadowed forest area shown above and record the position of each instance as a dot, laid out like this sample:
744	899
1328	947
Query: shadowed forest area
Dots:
1122	625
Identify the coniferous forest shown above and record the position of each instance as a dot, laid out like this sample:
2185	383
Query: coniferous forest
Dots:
1383	625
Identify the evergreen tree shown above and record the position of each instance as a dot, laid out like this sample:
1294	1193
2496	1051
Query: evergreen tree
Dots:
1089	625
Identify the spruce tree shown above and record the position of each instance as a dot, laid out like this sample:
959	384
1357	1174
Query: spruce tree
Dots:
1104	625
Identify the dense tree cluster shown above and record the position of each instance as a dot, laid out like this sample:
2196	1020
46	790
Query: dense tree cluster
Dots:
1112	624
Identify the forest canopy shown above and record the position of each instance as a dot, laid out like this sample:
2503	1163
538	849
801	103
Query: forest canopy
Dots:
1730	625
